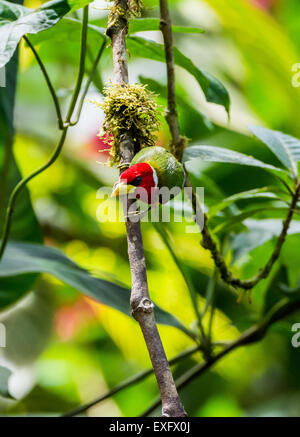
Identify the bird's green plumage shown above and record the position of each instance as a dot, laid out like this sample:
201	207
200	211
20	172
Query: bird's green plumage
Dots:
169	171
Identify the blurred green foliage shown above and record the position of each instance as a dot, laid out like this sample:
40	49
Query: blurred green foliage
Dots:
65	349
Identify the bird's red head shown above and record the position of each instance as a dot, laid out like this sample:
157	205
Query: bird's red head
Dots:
140	179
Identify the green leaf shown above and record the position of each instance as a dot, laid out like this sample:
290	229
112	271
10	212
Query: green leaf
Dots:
78	4
24	258
220	154
66	26
269	50
213	90
28	327
225	298
285	147
190	119
24	225
4	377
149	24
17	20
144	48
180	265
228	224
260	231
275	291
250	194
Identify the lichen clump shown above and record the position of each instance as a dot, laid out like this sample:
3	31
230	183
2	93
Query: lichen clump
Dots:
134	9
132	108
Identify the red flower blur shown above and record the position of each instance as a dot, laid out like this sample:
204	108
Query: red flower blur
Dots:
69	319
262	4
98	148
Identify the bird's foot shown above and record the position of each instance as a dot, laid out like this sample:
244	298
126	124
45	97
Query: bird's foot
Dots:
138	213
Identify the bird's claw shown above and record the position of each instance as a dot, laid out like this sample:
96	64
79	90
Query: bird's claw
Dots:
137	213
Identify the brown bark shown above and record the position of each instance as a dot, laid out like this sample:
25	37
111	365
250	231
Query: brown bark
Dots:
142	307
177	142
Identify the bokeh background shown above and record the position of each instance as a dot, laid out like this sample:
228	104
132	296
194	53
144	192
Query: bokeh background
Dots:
66	349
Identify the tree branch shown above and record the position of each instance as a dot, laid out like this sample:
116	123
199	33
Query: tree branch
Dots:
209	243
129	382
251	335
178	142
177	147
142	307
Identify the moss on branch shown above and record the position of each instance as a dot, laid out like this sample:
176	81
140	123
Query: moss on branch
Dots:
129	108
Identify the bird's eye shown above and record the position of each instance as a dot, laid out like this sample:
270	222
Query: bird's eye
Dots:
136	181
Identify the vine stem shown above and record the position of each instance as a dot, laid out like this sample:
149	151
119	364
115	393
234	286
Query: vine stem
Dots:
177	147
49	83
21	184
81	64
129	382
209	243
89	81
141	304
65	125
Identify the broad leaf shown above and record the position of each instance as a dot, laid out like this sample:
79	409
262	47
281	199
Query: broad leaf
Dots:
149	24
225	298
4	377
260	231
268	51
24	225
191	120
28	327
23	258
231	222
220	154
250	194
66	26
285	147
17	20
212	88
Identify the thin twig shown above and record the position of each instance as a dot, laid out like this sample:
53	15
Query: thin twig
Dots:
209	243
212	286
96	77
130	382
81	64
142	307
49	83
177	149
251	335
97	80
187	279
178	142
89	81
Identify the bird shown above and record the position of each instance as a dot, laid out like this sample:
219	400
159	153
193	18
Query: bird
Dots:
151	169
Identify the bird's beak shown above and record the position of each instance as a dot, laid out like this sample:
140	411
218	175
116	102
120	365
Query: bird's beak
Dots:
122	189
